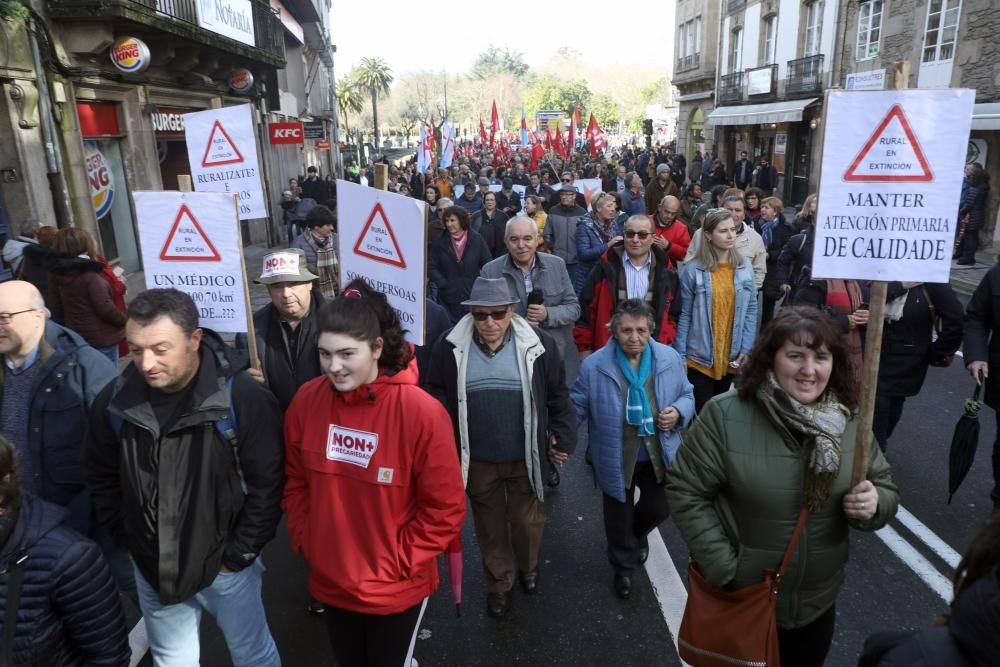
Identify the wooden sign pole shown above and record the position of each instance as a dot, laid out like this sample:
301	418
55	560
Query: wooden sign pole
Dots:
873	344
184	184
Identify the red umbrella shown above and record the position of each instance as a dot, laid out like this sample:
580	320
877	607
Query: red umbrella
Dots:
453	559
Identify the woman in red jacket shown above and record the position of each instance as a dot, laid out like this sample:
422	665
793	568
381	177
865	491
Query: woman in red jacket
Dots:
374	490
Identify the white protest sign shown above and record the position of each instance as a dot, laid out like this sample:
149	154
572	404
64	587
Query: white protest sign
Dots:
891	176
191	241
383	239
222	152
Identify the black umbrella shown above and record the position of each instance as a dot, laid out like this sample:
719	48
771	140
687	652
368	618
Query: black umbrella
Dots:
965	441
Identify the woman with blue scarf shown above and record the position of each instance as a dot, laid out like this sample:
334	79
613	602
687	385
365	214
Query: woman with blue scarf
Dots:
635	398
775	231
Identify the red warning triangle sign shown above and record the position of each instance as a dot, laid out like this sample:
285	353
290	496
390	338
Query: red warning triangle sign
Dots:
187	241
378	242
891	155
220	149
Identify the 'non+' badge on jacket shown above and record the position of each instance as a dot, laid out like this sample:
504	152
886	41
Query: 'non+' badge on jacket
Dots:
351	446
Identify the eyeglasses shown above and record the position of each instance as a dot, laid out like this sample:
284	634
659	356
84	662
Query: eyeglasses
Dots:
495	315
631	234
5	318
567	180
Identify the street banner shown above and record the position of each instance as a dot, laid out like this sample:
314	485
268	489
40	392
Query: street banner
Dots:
590	187
314	130
447	144
890	183
285	133
191	241
383	239
423	151
222	152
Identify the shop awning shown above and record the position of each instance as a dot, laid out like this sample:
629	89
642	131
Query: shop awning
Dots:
986	116
760	114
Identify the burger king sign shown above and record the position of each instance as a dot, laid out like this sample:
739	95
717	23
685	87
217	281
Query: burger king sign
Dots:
130	54
102	186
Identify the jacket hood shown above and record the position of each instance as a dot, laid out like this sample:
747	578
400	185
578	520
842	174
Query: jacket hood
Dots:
230	360
62	339
384	382
975	618
72	265
37	250
35	519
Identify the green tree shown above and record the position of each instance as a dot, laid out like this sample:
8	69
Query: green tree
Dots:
375	76
556	95
350	99
605	110
655	92
495	60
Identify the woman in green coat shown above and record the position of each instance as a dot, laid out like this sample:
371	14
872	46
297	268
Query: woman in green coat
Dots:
785	437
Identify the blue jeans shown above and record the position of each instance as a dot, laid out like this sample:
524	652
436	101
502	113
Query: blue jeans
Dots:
235	603
111	352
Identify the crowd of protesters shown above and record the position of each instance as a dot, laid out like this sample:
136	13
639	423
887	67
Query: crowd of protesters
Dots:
672	313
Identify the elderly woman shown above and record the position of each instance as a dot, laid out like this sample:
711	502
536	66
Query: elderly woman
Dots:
718	321
636	401
456	258
595	233
319	242
755	456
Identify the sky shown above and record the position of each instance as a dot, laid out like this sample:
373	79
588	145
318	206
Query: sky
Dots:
411	36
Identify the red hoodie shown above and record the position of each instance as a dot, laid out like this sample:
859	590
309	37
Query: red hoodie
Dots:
374	491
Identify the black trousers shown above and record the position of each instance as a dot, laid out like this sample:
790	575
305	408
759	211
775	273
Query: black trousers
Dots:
627	523
767	305
995	495
370	640
888	411
705	387
807	646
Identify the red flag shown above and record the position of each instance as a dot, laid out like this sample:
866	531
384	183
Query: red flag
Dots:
576	115
482	131
537	153
494	122
558	145
595	136
571	142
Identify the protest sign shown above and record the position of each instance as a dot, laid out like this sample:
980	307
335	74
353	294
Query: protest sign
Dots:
222	152
890	182
191	241
383	239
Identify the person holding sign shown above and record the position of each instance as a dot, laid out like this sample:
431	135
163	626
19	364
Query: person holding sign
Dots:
718	322
755	456
374	491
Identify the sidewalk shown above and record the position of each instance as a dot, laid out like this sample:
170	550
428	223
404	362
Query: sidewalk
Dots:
965	279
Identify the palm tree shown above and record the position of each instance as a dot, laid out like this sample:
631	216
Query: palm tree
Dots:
350	99
375	75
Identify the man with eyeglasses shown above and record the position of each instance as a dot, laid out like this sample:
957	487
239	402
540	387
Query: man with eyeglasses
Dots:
504	385
540	282
49	379
749	244
635	268
566	180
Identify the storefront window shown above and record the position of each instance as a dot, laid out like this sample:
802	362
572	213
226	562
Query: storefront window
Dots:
109	196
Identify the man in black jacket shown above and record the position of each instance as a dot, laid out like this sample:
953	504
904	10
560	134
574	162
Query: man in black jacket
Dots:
194	507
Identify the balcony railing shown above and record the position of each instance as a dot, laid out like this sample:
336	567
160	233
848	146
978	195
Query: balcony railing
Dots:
689	61
731	88
180	17
805	75
733	5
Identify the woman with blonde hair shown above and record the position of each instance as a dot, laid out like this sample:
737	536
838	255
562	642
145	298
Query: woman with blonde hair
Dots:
533	209
718	322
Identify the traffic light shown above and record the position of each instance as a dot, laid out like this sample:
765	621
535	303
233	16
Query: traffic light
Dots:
647	127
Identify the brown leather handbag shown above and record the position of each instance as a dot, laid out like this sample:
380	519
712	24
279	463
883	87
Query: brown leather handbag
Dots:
724	628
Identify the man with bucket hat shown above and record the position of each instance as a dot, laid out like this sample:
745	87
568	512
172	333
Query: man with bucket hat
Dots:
286	329
504	385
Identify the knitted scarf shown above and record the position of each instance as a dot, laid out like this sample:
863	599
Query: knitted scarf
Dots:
638	412
326	264
823	421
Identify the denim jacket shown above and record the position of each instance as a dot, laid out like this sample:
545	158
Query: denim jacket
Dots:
694	330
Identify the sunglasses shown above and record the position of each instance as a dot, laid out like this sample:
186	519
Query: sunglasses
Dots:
495	315
630	234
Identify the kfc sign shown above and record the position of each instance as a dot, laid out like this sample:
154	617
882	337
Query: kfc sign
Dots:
286	133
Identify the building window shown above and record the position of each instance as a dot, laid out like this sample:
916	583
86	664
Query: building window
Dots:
689	44
869	29
736	50
770	38
814	27
942	27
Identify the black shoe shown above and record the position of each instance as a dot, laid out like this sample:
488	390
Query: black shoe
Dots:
553	478
623	586
497	604
643	549
529	582
966	262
